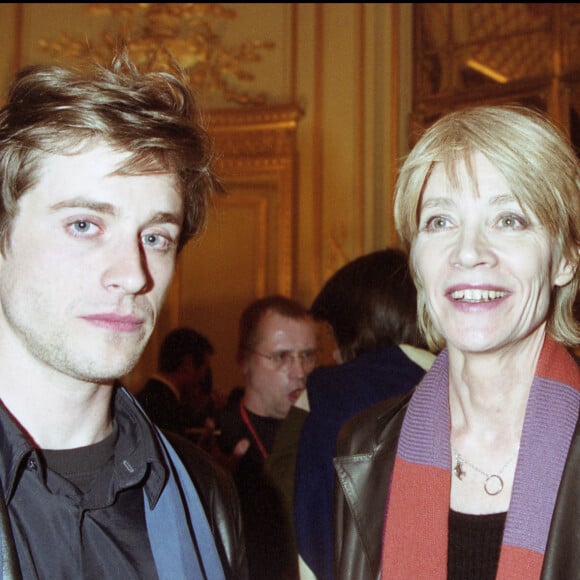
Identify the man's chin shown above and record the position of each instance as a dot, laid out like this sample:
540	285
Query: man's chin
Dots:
112	370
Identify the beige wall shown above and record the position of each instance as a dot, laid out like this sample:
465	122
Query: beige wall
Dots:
347	66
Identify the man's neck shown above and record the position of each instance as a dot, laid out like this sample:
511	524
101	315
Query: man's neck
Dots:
254	404
57	417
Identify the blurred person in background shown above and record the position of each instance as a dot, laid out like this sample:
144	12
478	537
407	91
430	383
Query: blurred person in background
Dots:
370	307
277	350
178	397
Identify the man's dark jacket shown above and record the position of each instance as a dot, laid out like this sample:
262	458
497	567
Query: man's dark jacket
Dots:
366	452
219	498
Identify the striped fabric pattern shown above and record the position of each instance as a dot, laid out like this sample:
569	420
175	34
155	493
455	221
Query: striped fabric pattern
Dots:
415	536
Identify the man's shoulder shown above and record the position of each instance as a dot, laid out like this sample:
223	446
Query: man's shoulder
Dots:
219	496
203	469
374	376
229	418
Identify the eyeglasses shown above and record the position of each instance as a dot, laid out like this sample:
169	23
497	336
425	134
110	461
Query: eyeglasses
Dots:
284	359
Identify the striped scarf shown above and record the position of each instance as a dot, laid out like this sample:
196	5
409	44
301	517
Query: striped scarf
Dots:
415	536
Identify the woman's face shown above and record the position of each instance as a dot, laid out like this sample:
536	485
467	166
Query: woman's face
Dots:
487	267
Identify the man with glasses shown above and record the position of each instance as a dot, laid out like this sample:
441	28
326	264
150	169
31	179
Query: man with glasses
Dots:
276	352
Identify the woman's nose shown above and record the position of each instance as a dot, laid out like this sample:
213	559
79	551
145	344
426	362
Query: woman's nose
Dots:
472	248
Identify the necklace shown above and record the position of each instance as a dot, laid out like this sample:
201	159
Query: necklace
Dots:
493	481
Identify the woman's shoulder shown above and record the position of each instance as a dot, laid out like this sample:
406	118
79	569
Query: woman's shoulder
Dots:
368	428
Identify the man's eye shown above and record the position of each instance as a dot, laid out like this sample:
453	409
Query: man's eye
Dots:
156	241
282	357
151	239
308	356
82	227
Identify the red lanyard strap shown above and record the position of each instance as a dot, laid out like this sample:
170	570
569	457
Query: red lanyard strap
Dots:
246	419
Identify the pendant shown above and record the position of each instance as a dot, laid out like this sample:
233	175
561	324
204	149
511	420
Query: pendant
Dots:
493	485
459	473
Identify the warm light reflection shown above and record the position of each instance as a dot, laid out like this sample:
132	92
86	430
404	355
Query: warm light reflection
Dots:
486	71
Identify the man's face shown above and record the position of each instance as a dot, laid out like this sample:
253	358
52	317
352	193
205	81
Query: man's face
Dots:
90	258
276	386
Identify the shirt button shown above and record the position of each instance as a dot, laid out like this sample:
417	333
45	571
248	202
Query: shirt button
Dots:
32	464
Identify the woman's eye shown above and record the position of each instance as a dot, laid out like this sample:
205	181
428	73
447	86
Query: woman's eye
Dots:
511	221
436	223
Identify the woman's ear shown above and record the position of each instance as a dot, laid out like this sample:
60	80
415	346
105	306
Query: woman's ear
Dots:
566	270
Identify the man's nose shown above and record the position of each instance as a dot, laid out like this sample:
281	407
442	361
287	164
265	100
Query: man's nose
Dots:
126	267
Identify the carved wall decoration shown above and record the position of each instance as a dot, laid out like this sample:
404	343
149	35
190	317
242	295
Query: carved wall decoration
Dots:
503	52
260	145
157	33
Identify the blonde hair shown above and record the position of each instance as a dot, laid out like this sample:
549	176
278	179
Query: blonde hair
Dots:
52	109
539	164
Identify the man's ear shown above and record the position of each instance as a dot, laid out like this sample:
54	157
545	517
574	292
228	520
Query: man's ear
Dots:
566	270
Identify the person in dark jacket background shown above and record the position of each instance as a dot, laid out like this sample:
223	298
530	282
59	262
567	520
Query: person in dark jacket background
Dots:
370	306
177	397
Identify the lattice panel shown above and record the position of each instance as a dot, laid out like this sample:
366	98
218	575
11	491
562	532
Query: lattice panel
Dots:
464	46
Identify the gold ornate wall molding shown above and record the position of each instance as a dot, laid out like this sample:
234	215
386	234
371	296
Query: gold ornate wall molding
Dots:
158	34
262	137
259	145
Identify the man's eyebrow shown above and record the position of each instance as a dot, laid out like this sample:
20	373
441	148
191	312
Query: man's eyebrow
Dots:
84	203
161	217
166	217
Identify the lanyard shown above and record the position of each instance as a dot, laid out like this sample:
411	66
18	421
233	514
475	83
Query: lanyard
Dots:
246	419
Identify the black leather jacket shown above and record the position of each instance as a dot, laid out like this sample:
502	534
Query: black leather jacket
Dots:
220	499
366	452
217	493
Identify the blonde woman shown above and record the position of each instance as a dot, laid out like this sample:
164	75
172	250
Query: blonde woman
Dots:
475	474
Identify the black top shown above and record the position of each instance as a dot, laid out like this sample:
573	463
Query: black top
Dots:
61	531
233	428
474	545
81	465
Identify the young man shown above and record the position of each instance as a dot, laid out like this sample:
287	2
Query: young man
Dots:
276	351
104	175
